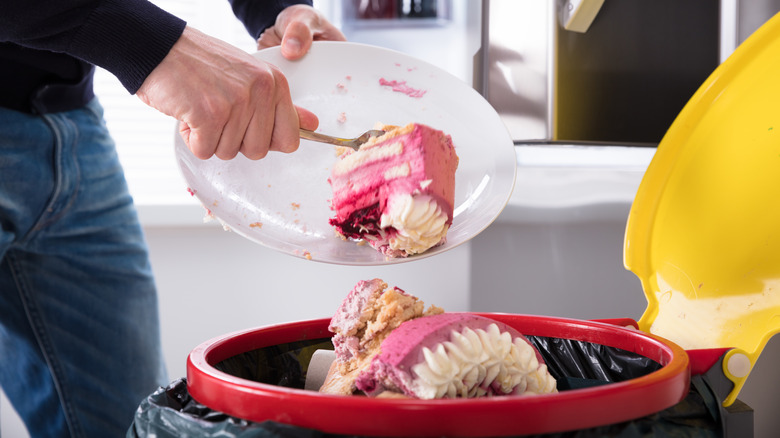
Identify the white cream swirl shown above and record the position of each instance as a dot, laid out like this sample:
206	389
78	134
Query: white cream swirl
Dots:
478	362
419	221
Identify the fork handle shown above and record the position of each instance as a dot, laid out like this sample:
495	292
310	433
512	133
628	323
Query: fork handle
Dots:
322	138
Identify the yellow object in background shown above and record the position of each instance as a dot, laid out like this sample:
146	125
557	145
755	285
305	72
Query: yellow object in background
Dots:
703	234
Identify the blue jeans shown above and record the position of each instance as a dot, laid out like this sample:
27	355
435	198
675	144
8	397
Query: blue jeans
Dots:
79	324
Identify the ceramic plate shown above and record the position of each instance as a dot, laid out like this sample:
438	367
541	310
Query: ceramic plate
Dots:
283	200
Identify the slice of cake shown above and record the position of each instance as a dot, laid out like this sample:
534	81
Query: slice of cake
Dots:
387	345
397	192
369	313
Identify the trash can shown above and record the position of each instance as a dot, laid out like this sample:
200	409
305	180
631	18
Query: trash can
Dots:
613	381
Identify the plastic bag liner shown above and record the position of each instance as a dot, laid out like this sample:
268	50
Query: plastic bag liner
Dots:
172	412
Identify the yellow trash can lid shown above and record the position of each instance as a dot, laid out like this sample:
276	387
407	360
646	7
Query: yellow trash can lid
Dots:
703	234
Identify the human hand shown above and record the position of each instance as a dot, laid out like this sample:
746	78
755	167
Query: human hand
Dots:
226	100
295	29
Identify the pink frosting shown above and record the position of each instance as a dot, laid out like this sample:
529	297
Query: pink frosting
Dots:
401	87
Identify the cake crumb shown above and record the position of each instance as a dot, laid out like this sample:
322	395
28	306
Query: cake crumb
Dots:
191	191
295	206
343	150
256	225
307	255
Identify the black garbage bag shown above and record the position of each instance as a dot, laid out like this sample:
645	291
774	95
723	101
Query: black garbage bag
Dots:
172	412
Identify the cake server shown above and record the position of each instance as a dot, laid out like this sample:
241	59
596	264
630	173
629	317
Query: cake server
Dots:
353	143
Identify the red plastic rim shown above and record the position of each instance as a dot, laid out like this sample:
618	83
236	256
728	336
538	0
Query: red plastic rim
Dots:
496	416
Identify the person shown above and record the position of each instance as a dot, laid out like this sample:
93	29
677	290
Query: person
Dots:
79	329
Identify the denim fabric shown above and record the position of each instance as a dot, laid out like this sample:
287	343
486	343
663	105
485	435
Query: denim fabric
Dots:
79	329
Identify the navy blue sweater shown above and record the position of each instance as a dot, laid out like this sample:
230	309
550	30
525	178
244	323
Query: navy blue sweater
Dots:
48	48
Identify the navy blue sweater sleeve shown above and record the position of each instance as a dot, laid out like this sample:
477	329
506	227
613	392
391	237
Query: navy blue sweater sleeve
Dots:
129	38
258	15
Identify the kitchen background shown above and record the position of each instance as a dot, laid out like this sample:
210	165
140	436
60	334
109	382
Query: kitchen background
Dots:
555	250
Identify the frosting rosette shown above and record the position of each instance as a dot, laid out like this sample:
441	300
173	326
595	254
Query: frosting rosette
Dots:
419	223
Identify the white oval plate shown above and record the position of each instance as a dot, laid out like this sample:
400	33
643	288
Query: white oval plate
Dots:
283	200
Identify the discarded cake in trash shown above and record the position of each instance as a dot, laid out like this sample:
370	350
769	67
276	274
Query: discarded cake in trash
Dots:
387	345
369	313
397	192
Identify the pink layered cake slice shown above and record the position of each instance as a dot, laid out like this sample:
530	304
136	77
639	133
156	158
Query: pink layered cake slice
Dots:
388	345
397	192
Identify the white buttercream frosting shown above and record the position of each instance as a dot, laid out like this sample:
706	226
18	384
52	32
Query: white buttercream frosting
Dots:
478	362
419	221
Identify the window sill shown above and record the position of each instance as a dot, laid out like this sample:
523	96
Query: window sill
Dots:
190	214
566	183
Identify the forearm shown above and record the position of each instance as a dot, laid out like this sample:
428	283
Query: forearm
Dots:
129	38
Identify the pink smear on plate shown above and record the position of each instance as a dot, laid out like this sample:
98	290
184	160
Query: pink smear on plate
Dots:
401	87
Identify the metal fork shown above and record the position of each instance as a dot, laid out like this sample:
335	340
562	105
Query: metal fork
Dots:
353	143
